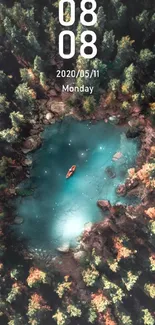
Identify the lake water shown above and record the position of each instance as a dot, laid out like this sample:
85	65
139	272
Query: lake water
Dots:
60	207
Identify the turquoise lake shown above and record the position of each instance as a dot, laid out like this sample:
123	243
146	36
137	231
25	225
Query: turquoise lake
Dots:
59	208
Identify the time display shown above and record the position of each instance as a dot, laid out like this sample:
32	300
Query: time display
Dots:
84	42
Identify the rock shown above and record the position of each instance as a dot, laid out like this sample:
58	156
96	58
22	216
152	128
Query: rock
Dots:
49	116
41	116
104	204
131	184
110	172
79	256
121	190
88	226
57	107
18	220
31	143
53	121
12	191
57	88
34	132
45	122
64	249
53	93
33	121
114	119
27	162
117	156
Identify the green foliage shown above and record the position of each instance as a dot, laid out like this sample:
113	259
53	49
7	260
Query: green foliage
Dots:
43	79
96	258
34	44
14	274
60	317
4	162
73	311
147	317
124	319
25	97
149	288
129	79
146	57
152	263
125	106
14	293
90	276
130	280
89	104
114	85
38	64
16	320
4	104
9	135
92	315
63	287
108	45
3	81
101	20
26	77
150	89
113	264
17	119
113	291
125	51
146	23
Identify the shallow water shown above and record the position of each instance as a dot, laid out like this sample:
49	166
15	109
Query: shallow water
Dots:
59	208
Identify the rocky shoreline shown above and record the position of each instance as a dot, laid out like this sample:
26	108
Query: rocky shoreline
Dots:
54	109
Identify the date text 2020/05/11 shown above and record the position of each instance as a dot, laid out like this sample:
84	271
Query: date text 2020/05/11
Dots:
88	74
87	7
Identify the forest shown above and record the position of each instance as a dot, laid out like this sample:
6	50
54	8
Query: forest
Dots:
113	280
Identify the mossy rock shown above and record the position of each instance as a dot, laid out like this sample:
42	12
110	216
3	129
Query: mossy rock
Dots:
24	192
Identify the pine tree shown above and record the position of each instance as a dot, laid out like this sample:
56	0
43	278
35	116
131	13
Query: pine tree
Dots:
101	20
129	79
25	97
34	45
9	135
4	81
38	65
146	57
4	104
125	52
17	119
108	45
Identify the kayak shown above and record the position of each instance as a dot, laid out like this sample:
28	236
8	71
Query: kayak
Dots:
71	171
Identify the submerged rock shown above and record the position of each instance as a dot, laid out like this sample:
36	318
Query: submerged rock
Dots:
64	249
27	162
88	226
104	204
18	220
121	190
110	172
31	143
133	132
117	156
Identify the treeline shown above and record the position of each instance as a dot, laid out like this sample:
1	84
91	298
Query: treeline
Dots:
29	56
